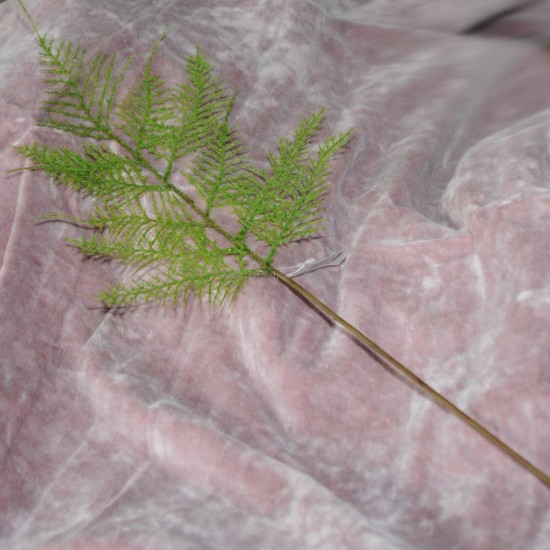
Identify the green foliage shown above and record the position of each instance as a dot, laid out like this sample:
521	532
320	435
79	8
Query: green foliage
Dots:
164	165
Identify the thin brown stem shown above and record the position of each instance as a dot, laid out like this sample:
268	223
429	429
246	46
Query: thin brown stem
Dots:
413	378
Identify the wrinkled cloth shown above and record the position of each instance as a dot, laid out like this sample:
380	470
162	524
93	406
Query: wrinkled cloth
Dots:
261	425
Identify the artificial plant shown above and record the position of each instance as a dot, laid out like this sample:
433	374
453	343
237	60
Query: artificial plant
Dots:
225	225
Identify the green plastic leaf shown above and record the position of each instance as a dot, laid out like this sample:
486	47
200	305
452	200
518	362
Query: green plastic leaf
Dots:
163	165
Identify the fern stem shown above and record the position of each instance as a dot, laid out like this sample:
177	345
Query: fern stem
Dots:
411	377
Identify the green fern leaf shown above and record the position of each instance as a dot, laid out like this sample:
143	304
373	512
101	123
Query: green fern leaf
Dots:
221	169
197	108
169	238
81	94
144	114
97	171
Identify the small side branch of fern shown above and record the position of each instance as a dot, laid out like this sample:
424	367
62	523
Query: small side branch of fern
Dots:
301	211
198	108
82	95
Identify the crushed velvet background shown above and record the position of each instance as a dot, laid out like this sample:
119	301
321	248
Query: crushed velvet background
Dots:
262	426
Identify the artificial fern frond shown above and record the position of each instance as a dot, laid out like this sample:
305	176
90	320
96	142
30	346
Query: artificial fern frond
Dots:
145	112
170	281
298	212
167	231
133	223
97	171
145	219
81	94
285	205
221	169
198	107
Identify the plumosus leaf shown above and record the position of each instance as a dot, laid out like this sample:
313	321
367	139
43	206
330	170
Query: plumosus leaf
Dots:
129	164
145	221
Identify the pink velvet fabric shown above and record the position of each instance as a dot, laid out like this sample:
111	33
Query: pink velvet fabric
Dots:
261	426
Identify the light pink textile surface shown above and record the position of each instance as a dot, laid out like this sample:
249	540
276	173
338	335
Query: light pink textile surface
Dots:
262	426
